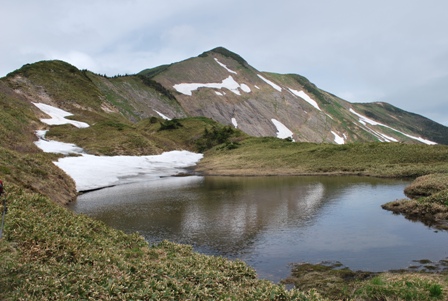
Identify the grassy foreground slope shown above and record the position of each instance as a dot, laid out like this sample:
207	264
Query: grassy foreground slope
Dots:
48	253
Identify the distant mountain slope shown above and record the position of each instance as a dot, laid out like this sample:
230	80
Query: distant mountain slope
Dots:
221	85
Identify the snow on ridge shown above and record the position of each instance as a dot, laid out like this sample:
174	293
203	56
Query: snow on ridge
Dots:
228	83
273	85
234	122
305	97
58	116
338	139
162	115
282	131
225	67
365	120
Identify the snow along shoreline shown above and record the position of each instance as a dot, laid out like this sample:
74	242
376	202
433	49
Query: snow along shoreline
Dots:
95	172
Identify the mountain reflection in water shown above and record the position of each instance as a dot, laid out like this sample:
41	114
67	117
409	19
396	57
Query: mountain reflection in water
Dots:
270	222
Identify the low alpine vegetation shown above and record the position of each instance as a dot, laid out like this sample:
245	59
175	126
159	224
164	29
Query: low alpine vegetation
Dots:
428	201
48	253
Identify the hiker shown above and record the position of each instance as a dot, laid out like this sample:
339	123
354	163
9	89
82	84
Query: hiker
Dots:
1	187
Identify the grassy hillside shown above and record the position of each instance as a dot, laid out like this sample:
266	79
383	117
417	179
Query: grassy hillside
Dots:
21	162
266	156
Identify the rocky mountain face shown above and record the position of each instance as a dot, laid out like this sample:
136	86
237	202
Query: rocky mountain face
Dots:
221	85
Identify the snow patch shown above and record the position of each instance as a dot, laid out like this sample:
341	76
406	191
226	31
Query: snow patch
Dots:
163	116
228	83
225	67
58	116
365	120
245	88
338	139
51	146
282	131
219	93
235	124
273	85
305	97
257	87
93	172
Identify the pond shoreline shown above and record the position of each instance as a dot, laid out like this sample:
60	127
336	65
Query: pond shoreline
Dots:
431	214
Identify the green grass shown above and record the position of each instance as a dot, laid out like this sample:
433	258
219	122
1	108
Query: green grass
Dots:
428	201
428	185
276	156
336	282
64	83
21	162
402	287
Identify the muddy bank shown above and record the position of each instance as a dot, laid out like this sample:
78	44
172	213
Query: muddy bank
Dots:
428	201
432	215
337	282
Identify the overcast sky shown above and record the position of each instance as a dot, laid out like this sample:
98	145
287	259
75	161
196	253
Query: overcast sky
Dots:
363	51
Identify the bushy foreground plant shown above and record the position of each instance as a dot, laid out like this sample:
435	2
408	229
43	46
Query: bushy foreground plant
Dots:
48	253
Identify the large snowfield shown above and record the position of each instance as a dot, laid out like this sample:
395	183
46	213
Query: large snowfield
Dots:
93	172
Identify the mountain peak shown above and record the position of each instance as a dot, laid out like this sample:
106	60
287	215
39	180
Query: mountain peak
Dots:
227	53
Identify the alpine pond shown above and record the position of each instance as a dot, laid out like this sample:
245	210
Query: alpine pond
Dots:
271	222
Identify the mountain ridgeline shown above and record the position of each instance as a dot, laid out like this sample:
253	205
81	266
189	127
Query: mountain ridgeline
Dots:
221	86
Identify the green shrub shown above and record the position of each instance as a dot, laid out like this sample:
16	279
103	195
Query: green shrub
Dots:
217	135
172	124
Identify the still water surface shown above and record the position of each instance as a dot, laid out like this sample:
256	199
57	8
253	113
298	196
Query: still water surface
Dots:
270	222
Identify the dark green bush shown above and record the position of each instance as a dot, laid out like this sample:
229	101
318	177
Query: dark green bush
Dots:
170	125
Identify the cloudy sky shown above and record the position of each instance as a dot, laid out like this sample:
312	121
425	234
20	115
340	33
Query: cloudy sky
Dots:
363	51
